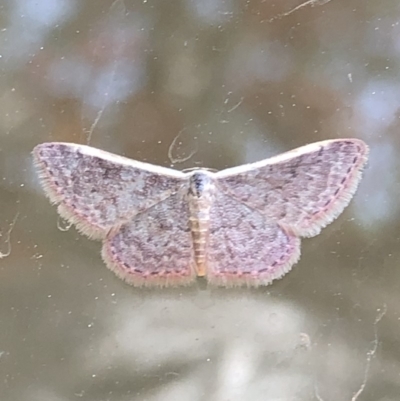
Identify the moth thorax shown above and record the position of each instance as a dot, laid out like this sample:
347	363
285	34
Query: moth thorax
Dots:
200	196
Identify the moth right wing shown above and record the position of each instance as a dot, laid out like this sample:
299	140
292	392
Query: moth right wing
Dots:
99	191
304	189
244	247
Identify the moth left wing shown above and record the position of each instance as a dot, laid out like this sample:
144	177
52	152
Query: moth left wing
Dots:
155	248
303	190
99	191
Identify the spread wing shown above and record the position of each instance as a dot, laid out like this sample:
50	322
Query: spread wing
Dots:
97	190
302	190
244	247
155	247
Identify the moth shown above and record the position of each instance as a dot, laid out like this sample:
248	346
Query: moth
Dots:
238	226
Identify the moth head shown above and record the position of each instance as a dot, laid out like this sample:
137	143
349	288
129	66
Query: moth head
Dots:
201	183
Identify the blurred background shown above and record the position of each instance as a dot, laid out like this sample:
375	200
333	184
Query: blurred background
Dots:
212	83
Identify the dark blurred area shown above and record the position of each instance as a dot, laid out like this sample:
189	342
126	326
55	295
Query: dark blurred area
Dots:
186	83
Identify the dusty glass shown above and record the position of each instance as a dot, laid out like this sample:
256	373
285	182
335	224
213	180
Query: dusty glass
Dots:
186	84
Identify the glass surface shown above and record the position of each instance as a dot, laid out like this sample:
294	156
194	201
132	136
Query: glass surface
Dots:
183	84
